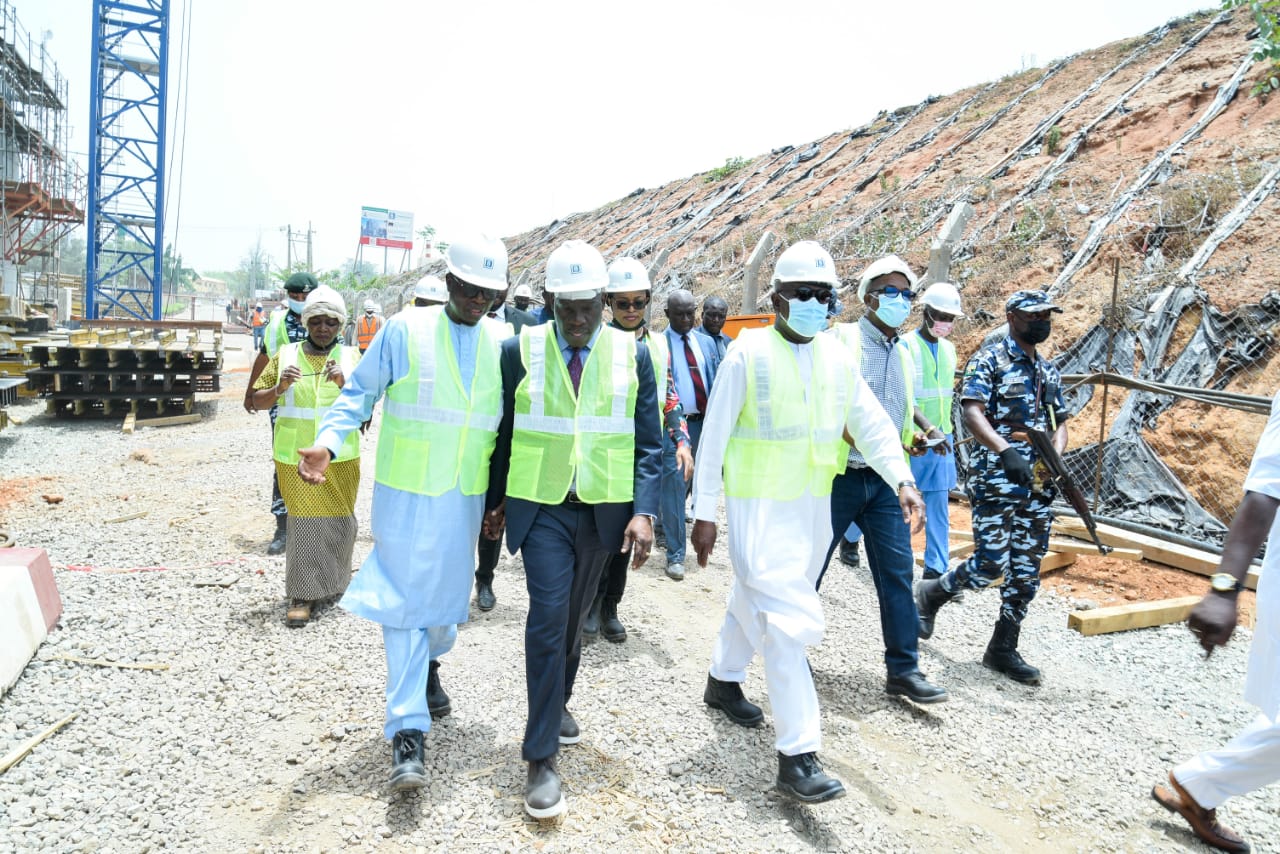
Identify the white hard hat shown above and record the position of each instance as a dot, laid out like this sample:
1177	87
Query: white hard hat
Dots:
626	275
478	259
524	291
883	267
576	270
432	288
259	305
806	261
370	305
943	297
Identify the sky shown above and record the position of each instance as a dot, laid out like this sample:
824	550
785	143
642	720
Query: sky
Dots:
500	117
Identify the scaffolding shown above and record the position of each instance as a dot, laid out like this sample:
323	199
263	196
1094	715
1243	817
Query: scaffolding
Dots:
126	159
43	190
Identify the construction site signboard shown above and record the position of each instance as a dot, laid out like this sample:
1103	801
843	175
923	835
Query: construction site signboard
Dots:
386	228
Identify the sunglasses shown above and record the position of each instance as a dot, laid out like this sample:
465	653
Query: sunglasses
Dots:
629	305
805	293
891	291
472	291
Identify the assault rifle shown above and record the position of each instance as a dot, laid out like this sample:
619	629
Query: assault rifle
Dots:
1061	478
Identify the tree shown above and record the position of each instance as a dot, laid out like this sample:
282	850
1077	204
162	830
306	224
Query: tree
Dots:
1266	13
176	275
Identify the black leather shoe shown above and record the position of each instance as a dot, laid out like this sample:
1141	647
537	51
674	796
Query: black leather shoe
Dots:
437	700
280	541
849	554
916	688
407	770
930	597
485	600
801	778
610	626
569	732
542	797
727	697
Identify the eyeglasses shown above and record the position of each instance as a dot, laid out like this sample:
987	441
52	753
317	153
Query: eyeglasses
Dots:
629	305
891	291
470	291
804	293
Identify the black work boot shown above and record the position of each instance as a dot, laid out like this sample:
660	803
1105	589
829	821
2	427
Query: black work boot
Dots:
610	626
957	596
591	625
849	554
727	697
801	778
282	533
437	700
930	596
407	769
485	600
1002	654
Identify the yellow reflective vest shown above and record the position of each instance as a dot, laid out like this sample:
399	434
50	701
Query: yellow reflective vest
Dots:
786	441
434	435
304	404
851	335
588	440
935	380
276	335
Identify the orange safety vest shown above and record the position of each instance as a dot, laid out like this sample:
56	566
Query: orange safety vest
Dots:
367	327
259	318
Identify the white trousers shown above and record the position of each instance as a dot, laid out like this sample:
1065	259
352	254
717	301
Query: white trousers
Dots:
409	654
1249	761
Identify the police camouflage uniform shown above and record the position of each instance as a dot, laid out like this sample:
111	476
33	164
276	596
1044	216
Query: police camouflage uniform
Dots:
295	331
1010	522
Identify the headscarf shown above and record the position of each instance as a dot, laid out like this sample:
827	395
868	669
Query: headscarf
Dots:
324	301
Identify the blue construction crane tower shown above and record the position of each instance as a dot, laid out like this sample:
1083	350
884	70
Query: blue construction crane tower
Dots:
127	119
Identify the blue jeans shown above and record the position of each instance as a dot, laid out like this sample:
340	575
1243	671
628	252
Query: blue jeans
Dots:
259	332
861	496
671	503
937	532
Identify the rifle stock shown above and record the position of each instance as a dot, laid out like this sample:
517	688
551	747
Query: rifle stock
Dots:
1062	479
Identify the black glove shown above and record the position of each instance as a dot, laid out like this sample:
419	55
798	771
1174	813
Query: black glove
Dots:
1018	469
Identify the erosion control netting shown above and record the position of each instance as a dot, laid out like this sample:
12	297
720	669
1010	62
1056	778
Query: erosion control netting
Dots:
1134	483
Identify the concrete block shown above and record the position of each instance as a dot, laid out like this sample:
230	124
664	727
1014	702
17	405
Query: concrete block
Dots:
29	608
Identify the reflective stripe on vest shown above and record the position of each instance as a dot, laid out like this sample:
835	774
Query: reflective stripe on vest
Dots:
661	357
935	381
305	403
851	335
788	438
277	333
587	440
435	436
366	328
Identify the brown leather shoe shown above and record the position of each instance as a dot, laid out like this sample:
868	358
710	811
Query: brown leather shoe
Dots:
298	615
1204	823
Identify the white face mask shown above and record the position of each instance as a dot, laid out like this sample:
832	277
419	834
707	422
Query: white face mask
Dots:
941	329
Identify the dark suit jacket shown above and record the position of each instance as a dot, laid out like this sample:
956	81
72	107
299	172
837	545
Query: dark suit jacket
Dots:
611	519
519	319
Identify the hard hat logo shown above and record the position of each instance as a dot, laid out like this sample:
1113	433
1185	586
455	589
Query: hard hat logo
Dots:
488	263
575	269
628	276
819	263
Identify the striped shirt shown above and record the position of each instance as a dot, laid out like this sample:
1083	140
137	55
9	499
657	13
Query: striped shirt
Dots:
882	369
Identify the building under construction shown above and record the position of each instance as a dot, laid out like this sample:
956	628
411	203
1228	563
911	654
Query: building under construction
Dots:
44	189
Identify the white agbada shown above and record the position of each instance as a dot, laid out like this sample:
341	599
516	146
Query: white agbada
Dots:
777	548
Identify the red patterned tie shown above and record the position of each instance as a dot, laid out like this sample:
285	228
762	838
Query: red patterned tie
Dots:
699	390
575	367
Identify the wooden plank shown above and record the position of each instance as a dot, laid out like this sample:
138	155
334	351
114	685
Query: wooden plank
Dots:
169	421
962	549
1056	560
134	323
1138	615
1073	546
1198	561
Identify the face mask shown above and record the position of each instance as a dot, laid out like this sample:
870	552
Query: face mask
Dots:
893	310
939	328
1037	331
297	305
806	317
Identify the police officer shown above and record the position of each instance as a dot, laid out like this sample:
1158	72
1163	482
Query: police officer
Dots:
1007	387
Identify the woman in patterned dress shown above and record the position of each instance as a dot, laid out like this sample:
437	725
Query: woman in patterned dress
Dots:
306	377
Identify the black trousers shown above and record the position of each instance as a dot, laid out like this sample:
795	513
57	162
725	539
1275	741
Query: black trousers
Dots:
487	553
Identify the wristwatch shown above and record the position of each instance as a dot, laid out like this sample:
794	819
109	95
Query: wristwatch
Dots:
910	483
1225	582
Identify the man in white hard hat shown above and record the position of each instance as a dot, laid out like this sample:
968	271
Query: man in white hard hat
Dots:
523	297
438	367
627	296
575	479
368	325
774	436
861	495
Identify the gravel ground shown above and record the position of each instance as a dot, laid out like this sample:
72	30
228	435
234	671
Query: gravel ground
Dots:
262	738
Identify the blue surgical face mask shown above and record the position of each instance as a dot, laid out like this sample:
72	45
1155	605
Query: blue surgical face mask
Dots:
297	305
893	311
806	317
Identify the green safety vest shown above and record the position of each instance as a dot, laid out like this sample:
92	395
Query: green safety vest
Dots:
434	436
934	379
502	328
304	405
851	335
785	441
657	345
587	441
276	334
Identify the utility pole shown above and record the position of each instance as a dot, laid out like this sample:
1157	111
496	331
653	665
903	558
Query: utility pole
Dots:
310	231
288	248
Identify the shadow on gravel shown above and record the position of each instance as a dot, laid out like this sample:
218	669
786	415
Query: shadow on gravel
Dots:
636	646
860	694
